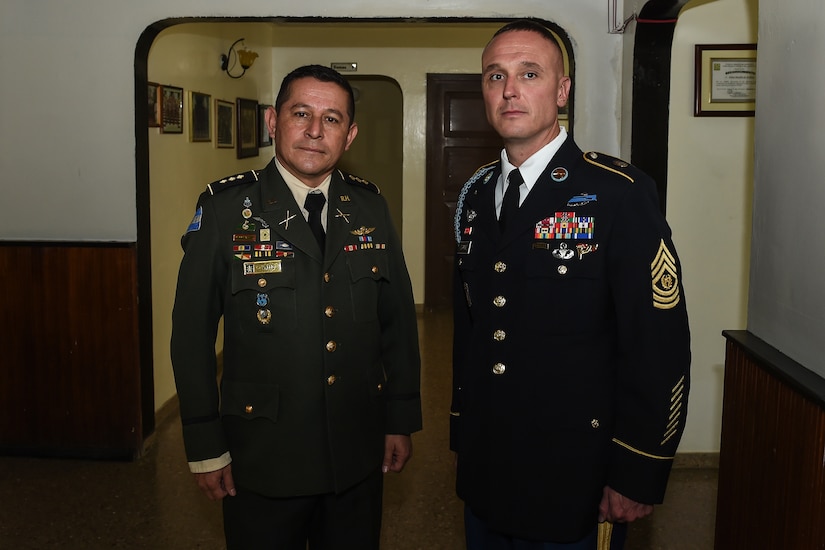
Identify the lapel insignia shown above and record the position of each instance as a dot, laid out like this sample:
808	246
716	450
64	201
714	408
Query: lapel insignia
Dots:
344	198
471	215
342	215
487	177
285	221
559	174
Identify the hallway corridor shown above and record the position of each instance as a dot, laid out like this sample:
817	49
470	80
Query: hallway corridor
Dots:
154	504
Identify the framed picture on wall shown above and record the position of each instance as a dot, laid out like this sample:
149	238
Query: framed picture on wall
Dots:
247	128
153	96
200	128
171	110
224	124
725	81
264	139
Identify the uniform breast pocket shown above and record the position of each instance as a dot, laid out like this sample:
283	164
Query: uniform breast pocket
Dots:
368	270
264	292
573	292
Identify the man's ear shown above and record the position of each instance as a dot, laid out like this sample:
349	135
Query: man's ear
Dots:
351	133
270	117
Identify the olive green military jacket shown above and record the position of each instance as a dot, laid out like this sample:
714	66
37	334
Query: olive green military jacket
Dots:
320	355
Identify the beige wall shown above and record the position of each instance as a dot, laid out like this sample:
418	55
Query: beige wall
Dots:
710	190
67	146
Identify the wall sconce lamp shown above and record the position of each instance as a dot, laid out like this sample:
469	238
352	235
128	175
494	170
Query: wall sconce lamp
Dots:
243	56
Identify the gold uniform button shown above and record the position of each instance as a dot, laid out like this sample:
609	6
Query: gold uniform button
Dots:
380	387
248	409
329	311
331	345
261	282
331	380
500	267
499	301
499	368
562	270
374	269
499	335
595	422
327	277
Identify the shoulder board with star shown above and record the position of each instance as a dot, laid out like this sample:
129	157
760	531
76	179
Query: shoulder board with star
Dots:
360	182
611	164
232	181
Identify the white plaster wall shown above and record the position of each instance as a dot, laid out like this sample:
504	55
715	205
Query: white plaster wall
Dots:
67	119
67	133
787	300
710	174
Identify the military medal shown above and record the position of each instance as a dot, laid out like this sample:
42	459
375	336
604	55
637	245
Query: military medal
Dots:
264	316
247	208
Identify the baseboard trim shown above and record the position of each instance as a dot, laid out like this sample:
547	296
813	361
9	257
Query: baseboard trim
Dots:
696	460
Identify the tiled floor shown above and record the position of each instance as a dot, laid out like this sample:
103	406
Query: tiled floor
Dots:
153	503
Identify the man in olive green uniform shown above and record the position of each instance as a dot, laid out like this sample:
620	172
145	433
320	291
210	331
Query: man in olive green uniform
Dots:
320	385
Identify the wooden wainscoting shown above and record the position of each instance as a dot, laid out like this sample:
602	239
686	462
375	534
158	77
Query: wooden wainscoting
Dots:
70	381
772	458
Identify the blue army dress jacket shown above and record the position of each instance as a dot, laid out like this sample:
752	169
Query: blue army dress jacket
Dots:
320	351
571	355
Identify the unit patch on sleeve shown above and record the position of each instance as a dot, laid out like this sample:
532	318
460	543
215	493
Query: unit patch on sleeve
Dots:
195	224
665	279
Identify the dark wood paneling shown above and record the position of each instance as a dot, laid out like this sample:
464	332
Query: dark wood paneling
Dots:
771	490
459	140
70	350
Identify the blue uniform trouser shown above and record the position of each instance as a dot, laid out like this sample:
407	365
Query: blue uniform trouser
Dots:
480	537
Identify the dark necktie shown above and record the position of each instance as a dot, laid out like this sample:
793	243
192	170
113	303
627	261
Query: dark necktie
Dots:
509	206
314	204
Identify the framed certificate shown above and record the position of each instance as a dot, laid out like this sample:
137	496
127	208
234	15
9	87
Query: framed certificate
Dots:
725	83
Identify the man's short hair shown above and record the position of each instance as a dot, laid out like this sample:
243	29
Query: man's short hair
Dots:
530	26
318	72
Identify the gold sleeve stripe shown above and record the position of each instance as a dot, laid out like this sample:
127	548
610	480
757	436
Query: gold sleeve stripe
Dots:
667	437
679	385
605	535
638	452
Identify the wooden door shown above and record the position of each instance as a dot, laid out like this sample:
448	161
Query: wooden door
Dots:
459	140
